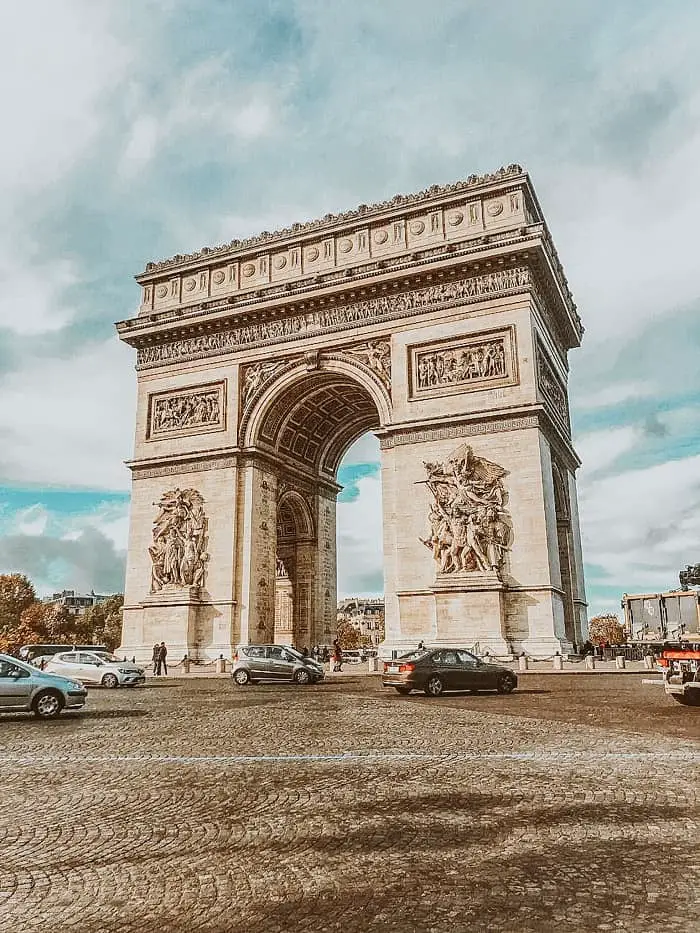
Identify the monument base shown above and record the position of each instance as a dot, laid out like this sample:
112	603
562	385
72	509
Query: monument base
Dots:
469	612
168	615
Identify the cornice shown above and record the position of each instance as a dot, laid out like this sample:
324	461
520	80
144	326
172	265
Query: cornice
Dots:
330	221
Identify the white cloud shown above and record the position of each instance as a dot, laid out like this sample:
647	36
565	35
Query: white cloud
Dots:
32	521
615	394
71	421
600	449
359	532
642	526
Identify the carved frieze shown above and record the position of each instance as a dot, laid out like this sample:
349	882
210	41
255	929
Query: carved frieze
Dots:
551	386
193	410
375	354
178	553
485	360
467	429
330	319
470	527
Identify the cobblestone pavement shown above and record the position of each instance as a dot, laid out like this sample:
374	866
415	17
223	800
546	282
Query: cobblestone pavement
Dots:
196	805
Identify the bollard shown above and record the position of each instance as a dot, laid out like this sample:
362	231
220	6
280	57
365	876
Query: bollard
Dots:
371	665
590	662
558	662
221	665
522	663
620	662
185	665
649	662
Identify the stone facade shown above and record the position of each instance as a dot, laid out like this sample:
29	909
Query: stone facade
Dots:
441	321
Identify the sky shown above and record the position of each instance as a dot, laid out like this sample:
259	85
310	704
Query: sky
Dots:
137	129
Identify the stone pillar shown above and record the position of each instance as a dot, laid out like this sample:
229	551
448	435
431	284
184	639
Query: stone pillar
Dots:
257	554
326	589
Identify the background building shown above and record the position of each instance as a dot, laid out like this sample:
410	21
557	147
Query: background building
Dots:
366	616
74	603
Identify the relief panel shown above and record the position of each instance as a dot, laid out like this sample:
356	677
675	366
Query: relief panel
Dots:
550	385
194	410
482	361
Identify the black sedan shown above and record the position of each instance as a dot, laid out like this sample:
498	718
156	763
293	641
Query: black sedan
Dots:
439	669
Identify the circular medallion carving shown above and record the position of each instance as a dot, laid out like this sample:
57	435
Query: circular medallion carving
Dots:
381	236
454	220
416	227
248	270
280	262
161	291
312	254
495	208
345	246
190	285
219	277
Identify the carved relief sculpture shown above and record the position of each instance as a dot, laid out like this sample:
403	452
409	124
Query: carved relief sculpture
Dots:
376	355
178	553
470	528
330	319
255	375
551	386
182	412
482	360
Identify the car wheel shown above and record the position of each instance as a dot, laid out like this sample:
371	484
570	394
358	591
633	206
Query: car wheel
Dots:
689	698
505	684
110	681
404	691
242	677
435	686
302	677
47	705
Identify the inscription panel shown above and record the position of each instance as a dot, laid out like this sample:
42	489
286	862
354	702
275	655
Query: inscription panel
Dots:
482	361
194	410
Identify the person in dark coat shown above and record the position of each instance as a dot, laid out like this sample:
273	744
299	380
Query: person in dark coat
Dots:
162	659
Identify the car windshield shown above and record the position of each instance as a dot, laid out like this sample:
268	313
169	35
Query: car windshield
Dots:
106	656
293	651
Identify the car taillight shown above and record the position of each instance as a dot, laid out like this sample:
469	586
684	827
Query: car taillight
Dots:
405	668
235	656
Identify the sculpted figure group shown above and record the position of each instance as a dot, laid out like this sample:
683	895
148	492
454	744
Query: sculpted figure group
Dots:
179	537
449	367
470	527
186	411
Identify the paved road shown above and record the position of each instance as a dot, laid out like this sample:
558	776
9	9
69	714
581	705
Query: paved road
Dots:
195	805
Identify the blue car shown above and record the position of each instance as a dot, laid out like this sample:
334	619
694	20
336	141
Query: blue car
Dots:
25	689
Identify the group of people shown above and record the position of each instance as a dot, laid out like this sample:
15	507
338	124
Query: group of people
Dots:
334	655
160	659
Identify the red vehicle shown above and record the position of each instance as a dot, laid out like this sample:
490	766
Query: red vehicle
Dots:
667	625
680	664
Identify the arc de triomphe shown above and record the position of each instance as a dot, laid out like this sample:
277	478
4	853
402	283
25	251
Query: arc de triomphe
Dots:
441	321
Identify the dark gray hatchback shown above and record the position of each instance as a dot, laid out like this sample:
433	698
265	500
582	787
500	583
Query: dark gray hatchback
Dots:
254	663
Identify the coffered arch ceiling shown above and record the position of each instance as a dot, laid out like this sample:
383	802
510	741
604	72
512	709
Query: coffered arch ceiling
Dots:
314	421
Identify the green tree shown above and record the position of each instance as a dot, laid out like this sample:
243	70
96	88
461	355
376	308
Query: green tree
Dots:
606	627
102	624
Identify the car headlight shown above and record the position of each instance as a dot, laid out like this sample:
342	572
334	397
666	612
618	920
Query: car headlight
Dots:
125	670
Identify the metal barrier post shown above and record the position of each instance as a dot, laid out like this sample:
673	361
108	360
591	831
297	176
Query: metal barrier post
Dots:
522	663
649	662
221	665
590	662
620	662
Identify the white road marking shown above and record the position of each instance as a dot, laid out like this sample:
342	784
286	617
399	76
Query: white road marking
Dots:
536	756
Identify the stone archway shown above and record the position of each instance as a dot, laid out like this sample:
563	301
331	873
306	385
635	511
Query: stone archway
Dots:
441	321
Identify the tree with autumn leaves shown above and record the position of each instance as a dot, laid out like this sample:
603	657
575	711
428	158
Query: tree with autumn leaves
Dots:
25	619
607	628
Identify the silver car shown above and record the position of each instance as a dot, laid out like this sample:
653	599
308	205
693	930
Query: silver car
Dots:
252	663
97	667
23	688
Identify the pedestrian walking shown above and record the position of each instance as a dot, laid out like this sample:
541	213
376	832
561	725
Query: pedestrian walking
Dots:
162	659
421	646
156	653
337	657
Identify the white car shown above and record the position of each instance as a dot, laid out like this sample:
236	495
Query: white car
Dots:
96	667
